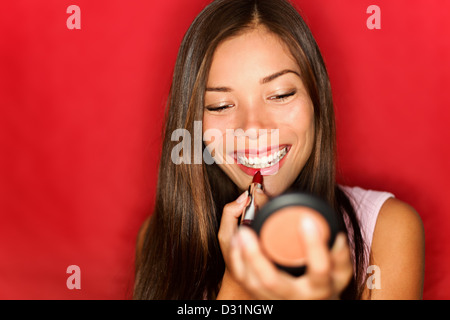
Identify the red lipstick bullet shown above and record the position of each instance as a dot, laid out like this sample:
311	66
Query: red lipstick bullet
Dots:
250	211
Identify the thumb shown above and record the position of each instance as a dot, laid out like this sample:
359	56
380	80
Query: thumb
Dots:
317	254
260	198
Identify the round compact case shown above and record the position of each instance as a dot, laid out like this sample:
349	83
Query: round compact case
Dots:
278	225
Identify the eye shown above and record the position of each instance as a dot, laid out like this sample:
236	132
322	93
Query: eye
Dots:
219	108
283	97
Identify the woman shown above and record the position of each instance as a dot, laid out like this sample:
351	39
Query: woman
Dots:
253	65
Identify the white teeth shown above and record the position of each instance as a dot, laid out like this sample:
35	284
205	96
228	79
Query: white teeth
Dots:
264	161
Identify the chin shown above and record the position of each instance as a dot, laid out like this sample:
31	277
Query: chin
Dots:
274	187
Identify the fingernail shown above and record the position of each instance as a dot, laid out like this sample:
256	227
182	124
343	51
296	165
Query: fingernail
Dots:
242	197
259	191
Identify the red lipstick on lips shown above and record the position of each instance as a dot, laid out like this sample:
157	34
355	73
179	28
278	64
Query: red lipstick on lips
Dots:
250	211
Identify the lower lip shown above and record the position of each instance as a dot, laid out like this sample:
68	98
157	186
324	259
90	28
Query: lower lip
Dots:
264	171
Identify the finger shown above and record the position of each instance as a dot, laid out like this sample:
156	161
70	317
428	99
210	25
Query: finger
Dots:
317	256
229	223
258	270
260	198
342	264
262	278
230	217
236	265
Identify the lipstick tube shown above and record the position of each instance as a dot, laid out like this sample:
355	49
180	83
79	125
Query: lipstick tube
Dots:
251	210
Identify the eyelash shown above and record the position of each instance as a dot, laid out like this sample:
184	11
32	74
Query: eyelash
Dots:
280	98
219	109
283	97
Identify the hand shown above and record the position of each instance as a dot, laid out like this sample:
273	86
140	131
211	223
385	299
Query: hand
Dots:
328	272
231	214
230	219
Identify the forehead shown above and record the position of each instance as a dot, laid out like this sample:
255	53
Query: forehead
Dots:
252	54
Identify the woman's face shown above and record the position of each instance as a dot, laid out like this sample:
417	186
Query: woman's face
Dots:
258	111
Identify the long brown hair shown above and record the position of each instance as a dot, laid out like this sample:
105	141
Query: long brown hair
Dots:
181	257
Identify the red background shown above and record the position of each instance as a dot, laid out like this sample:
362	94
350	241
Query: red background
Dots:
81	113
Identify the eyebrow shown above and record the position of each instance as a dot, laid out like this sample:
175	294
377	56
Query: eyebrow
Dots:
278	74
262	81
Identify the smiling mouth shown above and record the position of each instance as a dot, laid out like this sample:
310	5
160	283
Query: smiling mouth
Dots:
258	162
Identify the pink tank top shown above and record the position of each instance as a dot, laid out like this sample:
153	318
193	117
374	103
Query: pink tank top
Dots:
367	205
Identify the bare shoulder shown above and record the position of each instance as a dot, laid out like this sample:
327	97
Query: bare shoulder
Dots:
398	248
399	218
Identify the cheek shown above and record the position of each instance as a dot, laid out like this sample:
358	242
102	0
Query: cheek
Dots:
216	138
300	129
207	123
210	130
299	123
308	134
214	124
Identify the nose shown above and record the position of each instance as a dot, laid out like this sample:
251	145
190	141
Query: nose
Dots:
256	125
255	120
